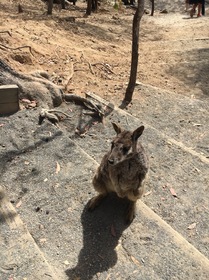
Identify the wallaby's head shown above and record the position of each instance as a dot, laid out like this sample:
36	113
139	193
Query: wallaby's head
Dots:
123	144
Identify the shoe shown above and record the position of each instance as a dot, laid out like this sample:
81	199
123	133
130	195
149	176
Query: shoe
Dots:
199	15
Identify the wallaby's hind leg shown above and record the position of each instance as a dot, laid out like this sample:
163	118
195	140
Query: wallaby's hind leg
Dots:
130	212
95	201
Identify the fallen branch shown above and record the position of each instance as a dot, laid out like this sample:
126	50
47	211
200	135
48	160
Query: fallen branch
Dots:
90	67
6	32
105	65
86	102
18	48
69	77
49	114
89	64
58	111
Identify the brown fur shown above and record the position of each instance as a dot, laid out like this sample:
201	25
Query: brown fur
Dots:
122	170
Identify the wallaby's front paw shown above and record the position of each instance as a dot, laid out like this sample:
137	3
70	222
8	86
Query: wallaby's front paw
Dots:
95	201
129	217
92	204
130	213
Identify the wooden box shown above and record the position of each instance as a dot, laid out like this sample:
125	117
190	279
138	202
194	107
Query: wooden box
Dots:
9	99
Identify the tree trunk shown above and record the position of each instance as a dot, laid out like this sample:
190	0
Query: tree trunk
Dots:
153	7
50	7
94	5
203	7
89	7
63	4
135	47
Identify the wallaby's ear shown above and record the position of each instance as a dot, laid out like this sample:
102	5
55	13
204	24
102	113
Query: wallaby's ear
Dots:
137	133
117	128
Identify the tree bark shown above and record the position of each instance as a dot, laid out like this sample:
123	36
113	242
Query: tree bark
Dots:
50	7
153	7
92	6
135	47
89	7
63	4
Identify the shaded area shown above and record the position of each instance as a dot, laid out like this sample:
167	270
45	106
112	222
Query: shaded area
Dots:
69	19
5	213
170	6
102	230
193	72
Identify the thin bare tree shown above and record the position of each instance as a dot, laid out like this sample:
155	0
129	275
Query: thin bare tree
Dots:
92	6
152	7
135	55
63	4
50	7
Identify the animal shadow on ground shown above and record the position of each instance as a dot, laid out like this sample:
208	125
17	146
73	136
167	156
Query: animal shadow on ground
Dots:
8	215
102	229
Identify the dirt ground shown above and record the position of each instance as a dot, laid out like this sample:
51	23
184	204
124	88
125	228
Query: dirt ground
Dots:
93	54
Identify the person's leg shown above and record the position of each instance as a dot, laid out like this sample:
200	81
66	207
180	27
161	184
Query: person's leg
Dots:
186	5
199	10
192	12
203	7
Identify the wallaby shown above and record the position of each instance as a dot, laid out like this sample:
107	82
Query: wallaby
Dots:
122	170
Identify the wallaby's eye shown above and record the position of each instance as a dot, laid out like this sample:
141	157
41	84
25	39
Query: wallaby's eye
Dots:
125	150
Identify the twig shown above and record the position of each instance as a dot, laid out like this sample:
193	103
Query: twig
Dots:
89	64
55	52
90	67
69	77
6	32
105	65
86	102
51	115
58	111
18	48
82	56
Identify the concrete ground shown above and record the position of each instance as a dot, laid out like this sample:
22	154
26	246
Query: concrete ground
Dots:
46	230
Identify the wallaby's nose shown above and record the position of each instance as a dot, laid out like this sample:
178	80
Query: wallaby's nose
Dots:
111	161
